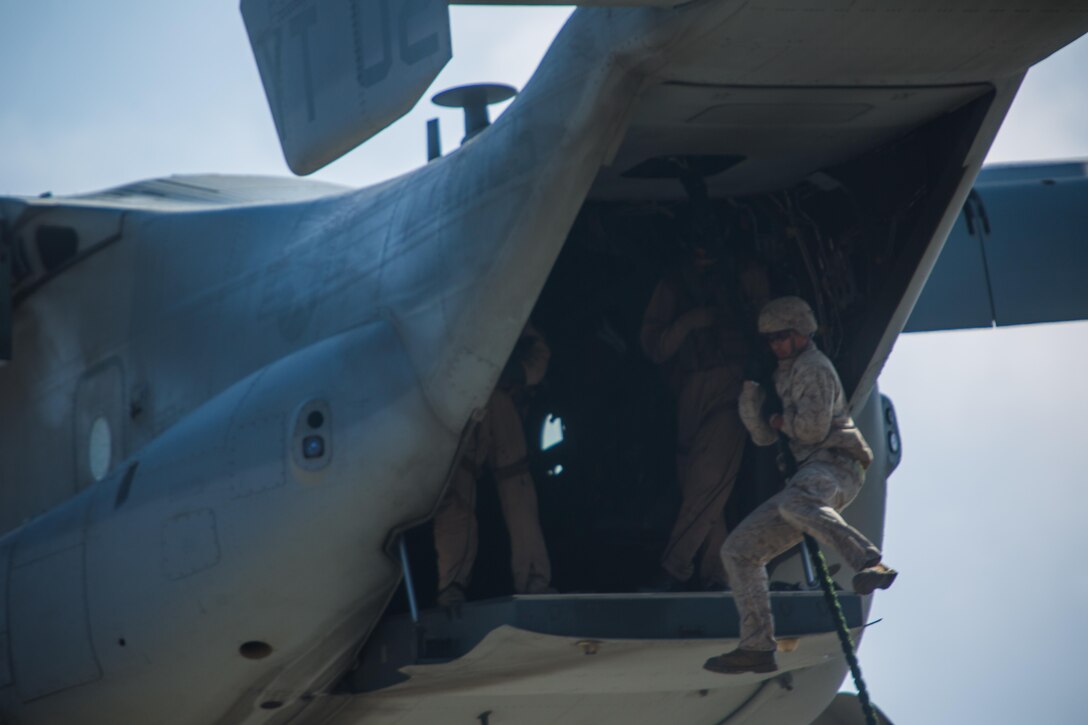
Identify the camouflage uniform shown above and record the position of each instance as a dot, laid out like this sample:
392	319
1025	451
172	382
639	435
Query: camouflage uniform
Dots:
832	456
704	366
498	443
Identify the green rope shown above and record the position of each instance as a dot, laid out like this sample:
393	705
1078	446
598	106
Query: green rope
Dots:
845	640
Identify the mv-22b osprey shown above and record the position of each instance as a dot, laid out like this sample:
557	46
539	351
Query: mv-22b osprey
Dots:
231	404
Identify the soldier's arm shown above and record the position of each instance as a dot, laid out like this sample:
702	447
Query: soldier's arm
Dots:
662	335
807	419
750	407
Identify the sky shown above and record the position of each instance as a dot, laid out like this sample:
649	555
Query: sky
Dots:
985	512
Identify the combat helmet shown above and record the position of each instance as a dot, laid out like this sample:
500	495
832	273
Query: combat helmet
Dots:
787	313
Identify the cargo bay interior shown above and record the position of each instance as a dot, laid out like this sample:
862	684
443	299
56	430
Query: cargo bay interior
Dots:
600	428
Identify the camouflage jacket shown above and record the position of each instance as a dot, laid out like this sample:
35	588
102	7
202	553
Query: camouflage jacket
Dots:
814	413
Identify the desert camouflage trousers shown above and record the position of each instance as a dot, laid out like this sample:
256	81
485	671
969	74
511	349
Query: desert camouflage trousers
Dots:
809	504
498	443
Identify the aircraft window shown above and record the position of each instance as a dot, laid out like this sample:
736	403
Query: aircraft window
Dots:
555	470
551	435
99	448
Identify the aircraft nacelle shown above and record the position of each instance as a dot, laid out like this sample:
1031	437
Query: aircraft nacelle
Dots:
290	480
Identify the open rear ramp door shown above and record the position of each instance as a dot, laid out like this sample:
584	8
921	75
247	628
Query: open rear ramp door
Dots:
589	658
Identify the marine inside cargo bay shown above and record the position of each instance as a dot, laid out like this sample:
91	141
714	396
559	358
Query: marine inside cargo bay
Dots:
613	428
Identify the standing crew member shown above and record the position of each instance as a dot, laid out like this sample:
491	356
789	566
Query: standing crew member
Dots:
831	455
693	330
498	442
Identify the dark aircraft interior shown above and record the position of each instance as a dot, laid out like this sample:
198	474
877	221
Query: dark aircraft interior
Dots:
600	428
846	238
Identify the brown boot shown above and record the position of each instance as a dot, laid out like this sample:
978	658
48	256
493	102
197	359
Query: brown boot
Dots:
742	660
874	577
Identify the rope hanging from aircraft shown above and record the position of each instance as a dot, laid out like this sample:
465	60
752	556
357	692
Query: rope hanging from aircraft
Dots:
832	601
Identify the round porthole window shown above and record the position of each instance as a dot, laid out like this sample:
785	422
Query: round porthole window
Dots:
100	448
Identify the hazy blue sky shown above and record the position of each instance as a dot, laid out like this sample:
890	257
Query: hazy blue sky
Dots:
986	512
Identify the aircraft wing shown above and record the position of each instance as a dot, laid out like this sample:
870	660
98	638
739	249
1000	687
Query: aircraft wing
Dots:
1016	254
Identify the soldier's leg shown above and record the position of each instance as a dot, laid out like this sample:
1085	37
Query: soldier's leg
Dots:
711	571
712	462
811	502
455	530
529	561
760	537
455	537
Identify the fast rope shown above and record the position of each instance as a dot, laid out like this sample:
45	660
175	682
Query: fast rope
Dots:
847	642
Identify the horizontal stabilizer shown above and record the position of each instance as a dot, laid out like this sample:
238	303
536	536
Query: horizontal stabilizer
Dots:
1016	254
337	73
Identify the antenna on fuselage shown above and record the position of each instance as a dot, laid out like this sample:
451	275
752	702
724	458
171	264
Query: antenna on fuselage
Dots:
434	140
474	99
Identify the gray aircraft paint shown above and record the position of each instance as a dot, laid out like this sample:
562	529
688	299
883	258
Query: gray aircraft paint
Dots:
1016	254
445	277
394	306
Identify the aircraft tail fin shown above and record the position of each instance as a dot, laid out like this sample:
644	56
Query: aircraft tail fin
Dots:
336	73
